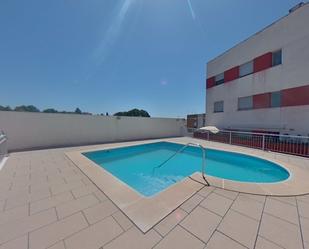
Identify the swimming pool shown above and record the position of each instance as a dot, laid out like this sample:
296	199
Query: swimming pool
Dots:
135	165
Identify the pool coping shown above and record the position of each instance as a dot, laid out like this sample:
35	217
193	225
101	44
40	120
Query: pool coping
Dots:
146	212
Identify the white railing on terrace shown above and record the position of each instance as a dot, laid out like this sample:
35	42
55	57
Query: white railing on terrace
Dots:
3	145
296	145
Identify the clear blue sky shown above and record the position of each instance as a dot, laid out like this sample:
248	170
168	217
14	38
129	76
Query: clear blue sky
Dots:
114	55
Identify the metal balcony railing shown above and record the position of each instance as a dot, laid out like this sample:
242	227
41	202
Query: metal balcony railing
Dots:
295	145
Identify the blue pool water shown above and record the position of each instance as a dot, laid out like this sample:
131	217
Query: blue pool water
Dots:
134	166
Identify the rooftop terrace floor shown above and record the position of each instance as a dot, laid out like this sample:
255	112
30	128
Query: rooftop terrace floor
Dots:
46	201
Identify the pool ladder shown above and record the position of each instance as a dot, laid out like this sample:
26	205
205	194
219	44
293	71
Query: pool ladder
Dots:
182	149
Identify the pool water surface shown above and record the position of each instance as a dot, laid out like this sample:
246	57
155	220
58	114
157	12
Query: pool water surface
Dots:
136	166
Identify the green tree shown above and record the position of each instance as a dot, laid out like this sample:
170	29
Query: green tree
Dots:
133	113
5	108
50	110
78	111
26	108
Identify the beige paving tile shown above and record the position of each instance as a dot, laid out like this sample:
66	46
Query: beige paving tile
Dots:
100	211
19	243
180	239
2	205
6	185
74	206
248	206
84	190
226	193
280	232
281	210
217	203
303	198
67	171
123	220
14	214
20	227
11	193
303	208
55	179
100	195
169	222
23	199
59	245
202	223
44	184
71	177
259	198
50	202
239	227
86	181
305	228
94	236
60	188
286	199
38	176
49	235
220	241
262	243
190	204
133	238
206	191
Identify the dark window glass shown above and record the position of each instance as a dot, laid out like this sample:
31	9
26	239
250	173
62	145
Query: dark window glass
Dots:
277	58
219	106
245	103
219	79
275	99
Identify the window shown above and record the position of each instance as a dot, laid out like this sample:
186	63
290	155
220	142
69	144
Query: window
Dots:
219	79
277	58
246	69
245	103
219	106
275	99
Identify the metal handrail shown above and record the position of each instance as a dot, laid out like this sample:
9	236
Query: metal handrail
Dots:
3	146
289	144
265	134
182	149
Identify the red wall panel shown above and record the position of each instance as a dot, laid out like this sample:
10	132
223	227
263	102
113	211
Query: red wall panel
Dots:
261	100
295	96
262	62
210	82
231	74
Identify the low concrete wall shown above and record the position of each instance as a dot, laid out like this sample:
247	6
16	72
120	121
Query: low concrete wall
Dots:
41	130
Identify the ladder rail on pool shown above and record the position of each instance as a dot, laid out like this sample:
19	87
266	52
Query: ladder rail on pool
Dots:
182	149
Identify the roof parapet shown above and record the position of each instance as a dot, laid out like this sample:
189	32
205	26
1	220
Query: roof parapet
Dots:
297	6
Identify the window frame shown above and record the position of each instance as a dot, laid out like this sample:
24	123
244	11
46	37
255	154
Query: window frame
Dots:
246	108
248	73
221	80
273	58
272	101
217	102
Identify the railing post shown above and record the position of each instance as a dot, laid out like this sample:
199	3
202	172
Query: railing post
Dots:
230	137
3	146
263	142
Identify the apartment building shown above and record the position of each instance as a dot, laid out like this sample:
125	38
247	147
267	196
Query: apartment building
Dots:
262	83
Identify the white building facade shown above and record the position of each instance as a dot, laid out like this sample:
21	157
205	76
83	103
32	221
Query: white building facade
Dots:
262	84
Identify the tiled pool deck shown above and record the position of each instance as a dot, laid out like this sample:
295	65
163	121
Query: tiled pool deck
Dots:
47	202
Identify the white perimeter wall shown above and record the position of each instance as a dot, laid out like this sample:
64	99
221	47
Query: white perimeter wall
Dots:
41	130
